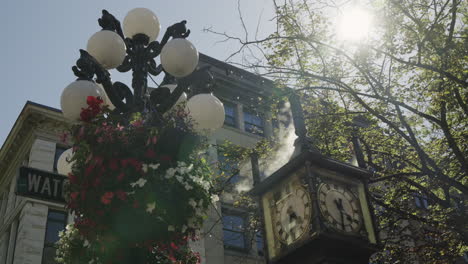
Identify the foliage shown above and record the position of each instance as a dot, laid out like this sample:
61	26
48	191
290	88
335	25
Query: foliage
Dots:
138	188
402	94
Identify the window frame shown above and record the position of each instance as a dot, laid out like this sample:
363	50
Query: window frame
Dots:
243	232
259	129
234	116
46	243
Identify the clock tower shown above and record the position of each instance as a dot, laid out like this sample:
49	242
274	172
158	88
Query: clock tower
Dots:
316	209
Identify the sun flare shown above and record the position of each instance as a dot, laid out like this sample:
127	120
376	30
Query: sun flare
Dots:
354	24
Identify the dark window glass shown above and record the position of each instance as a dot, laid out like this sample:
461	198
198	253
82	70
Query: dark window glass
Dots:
260	245
229	168
56	221
58	153
253	123
233	230
230	114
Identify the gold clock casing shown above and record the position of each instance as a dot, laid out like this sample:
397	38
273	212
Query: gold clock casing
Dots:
287	213
357	193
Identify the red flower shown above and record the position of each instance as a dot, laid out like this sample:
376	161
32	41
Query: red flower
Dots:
166	158
93	109
98	160
94	102
72	178
135	163
97	182
174	246
83	195
113	164
106	198
121	195
150	154
74	195
120	176
89	169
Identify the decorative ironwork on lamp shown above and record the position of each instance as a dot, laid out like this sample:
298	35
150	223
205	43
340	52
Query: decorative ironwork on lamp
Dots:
109	48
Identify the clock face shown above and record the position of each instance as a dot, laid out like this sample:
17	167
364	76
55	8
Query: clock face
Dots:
292	213
340	207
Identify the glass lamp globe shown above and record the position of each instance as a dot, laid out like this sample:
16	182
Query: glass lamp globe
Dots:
183	96
141	21
63	166
108	48
179	57
206	112
74	97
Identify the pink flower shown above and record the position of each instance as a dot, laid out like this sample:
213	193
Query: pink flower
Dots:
106	198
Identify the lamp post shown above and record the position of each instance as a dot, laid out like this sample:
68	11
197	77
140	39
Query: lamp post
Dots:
135	48
137	184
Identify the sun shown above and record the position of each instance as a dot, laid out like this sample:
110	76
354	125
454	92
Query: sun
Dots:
354	24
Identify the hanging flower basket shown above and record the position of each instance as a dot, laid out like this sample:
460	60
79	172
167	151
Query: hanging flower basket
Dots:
138	188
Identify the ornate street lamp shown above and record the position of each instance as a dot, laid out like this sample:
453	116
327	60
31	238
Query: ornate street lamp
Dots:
135	48
137	183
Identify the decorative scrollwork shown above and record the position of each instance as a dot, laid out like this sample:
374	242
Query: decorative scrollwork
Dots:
140	58
109	22
200	80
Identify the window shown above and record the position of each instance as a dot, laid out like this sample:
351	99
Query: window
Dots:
58	153
229	168
260	244
230	114
253	123
233	231
56	221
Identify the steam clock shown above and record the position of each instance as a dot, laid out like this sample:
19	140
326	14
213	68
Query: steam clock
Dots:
316	209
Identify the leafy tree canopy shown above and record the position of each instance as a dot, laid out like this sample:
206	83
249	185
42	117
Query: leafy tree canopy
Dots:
402	92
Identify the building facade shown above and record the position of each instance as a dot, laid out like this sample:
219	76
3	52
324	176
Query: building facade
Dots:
29	227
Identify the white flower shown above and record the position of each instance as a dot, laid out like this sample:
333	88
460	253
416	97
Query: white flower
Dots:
86	243
150	207
184	228
144	168
214	198
141	182
170	228
192	203
154	166
180	179
170	173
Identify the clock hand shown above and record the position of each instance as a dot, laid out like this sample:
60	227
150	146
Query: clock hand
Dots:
339	205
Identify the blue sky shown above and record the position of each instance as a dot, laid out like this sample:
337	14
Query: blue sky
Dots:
40	40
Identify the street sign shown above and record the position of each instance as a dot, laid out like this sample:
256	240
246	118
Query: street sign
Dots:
41	184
